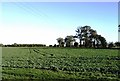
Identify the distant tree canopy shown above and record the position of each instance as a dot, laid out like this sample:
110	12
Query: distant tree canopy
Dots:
110	45
118	28
87	38
24	45
69	40
117	44
60	41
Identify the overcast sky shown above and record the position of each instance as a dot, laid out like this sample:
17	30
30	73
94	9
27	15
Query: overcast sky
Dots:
38	22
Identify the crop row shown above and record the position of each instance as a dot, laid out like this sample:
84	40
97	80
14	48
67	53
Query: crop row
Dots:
63	61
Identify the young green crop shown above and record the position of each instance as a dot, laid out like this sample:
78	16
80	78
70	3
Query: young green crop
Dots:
32	63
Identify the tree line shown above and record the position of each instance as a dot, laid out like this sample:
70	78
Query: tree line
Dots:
88	38
23	45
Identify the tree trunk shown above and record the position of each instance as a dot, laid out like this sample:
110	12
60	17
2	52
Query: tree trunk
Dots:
94	43
80	43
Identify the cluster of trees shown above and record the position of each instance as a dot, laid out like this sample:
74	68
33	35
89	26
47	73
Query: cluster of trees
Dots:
116	44
87	38
23	45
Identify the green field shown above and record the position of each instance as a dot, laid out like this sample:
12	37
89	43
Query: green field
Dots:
60	63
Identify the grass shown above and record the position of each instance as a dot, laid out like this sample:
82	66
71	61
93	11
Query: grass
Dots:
60	63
